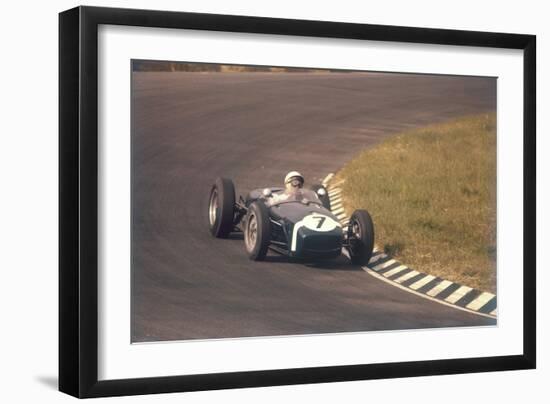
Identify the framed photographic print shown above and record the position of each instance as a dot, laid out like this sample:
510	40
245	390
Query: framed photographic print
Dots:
250	201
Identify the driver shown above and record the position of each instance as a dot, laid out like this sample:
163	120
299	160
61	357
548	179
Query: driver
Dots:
294	182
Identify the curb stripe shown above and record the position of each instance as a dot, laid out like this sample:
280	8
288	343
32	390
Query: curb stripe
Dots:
449	290
340	182
415	279
389	268
408	276
422	282
458	294
327	179
430	285
441	286
489	306
468	298
480	301
398	275
397	270
384	265
414	292
381	261
377	257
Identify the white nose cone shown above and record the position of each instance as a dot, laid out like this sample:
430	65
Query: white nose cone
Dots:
316	222
319	222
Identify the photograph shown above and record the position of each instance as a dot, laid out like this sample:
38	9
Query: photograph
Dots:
275	202
272	201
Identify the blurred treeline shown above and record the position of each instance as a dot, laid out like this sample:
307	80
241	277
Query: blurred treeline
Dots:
160	66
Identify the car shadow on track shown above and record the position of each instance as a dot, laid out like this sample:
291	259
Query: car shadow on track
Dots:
338	264
235	236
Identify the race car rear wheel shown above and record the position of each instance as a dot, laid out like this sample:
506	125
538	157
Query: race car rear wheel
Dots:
323	195
360	237
257	231
221	208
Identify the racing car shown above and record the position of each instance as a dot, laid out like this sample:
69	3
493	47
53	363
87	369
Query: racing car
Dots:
300	225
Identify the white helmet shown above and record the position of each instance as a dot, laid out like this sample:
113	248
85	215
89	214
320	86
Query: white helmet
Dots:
293	174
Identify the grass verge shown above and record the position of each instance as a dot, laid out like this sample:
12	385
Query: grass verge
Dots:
432	195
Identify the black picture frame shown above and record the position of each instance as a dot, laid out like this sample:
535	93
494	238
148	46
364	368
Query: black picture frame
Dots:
78	200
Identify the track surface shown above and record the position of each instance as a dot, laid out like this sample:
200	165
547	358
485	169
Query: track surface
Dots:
189	128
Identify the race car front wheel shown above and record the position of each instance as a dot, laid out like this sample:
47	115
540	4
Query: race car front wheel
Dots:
360	237
221	208
257	231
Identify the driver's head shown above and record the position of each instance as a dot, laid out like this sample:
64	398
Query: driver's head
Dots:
293	181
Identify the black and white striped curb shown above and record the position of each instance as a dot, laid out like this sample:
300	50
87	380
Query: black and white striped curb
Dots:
385	268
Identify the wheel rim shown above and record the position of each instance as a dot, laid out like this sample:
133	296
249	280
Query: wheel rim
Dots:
356	230
251	232
213	207
356	235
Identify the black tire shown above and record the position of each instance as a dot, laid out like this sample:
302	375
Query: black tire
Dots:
361	237
257	231
325	200
221	208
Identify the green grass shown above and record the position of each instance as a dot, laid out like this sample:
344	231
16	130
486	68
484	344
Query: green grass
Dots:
432	195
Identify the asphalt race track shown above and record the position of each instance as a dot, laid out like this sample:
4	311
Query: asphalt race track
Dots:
189	128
